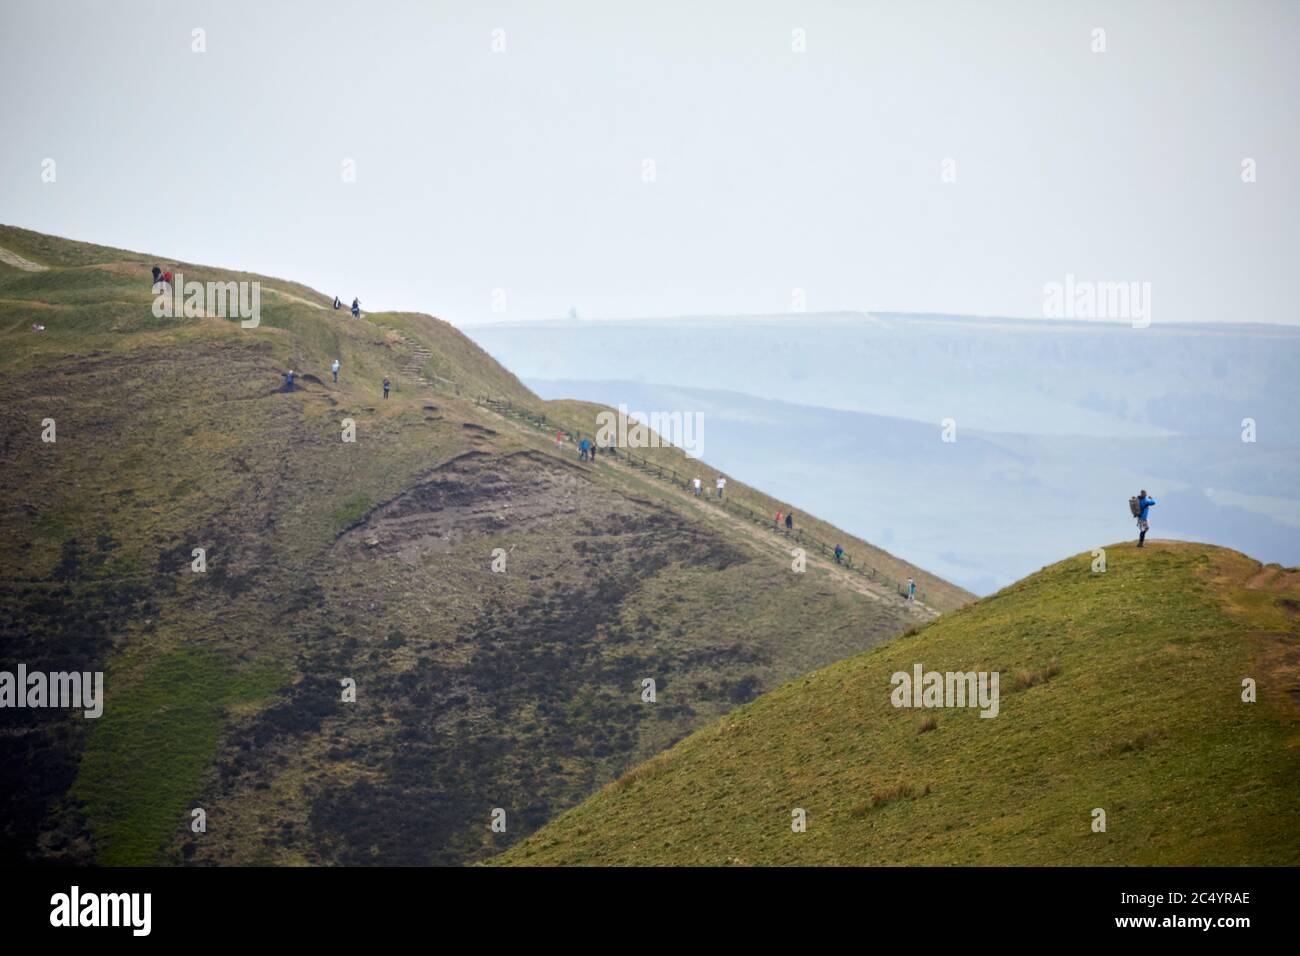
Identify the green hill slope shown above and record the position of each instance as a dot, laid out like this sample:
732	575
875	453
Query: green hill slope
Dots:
1119	690
328	560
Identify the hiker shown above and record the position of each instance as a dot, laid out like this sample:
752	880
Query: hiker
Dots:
911	590
356	308
696	483
582	448
337	304
167	277
288	381
722	483
1144	504
559	439
386	386
335	369
777	521
789	521
839	553
157	275
592	450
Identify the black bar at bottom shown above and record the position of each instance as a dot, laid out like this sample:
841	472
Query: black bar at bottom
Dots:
211	905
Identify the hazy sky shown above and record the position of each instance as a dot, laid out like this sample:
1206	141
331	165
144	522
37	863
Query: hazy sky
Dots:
774	170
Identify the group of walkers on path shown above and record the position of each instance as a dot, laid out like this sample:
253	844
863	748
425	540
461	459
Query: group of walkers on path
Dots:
356	306
782	521
291	376
911	582
586	447
698	486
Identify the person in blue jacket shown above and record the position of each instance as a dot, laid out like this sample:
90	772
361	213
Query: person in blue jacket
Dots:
1145	504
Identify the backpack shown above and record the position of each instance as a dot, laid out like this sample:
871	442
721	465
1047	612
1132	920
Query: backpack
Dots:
1135	507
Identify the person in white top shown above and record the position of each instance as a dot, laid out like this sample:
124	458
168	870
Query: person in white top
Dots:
722	483
697	485
335	369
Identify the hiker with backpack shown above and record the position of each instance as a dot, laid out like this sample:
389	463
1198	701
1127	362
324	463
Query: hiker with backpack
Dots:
335	369
839	554
1139	506
337	304
386	383
582	449
356	308
776	522
911	590
157	275
288	380
789	522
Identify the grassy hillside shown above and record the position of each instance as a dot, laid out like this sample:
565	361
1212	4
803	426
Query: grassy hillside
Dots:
1119	690
329	560
937	592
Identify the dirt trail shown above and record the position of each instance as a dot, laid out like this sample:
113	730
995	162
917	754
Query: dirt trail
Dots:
18	262
1266	597
850	579
770	543
295	298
